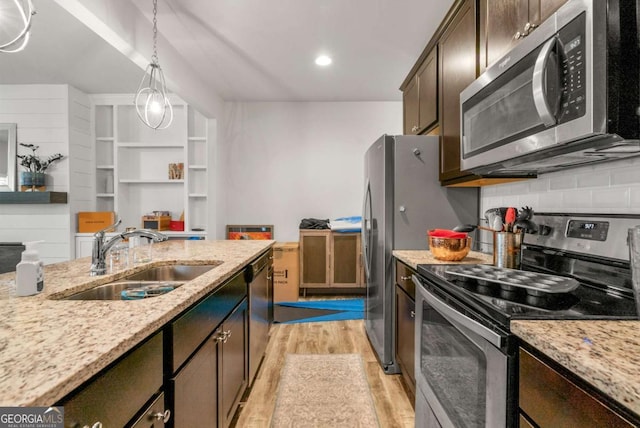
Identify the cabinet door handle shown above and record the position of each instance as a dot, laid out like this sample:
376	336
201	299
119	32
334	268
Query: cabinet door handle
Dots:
518	35
268	277
95	425
164	417
405	278
415	128
412	314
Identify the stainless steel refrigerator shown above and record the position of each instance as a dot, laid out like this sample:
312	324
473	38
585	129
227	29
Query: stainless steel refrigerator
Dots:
403	199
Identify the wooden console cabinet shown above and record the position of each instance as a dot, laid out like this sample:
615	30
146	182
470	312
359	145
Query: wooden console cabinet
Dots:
330	259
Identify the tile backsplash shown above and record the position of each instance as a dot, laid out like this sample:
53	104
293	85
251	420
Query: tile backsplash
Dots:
611	187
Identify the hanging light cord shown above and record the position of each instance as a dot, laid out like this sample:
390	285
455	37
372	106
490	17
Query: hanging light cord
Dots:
154	57
24	34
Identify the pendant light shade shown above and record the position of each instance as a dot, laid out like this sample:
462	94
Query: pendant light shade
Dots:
15	23
152	101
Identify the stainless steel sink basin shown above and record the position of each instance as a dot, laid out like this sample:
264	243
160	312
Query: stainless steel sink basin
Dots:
152	282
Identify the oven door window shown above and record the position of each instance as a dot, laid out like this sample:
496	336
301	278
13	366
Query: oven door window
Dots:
455	369
463	374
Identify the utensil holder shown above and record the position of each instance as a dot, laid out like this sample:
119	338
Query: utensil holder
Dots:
506	249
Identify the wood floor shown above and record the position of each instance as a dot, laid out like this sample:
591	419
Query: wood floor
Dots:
335	337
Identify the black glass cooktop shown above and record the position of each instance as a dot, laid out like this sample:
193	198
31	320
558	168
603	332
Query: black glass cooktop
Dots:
502	302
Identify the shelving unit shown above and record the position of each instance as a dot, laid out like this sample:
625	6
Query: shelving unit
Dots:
132	163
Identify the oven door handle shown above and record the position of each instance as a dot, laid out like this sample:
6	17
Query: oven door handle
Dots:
454	316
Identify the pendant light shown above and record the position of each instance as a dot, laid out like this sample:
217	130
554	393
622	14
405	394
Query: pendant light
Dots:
16	22
151	100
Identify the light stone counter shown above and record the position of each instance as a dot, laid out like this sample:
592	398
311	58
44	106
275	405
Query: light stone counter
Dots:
606	354
49	347
413	258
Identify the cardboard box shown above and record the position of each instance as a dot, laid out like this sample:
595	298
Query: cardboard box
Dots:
156	222
286	271
93	221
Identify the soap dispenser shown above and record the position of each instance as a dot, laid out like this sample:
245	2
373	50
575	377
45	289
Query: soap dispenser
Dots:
30	271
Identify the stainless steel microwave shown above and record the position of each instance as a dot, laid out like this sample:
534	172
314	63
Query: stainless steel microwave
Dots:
566	95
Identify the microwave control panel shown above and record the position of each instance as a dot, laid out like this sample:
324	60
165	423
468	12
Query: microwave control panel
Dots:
572	64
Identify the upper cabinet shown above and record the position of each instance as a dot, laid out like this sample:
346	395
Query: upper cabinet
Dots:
473	34
458	65
420	97
503	23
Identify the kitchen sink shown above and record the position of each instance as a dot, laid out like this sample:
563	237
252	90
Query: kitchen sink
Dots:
152	282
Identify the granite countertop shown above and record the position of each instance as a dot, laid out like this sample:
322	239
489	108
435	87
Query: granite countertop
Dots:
49	347
413	258
606	354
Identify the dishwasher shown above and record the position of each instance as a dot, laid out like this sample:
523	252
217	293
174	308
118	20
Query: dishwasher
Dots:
259	277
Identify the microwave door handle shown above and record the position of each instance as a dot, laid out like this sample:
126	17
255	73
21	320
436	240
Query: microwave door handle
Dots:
454	316
538	84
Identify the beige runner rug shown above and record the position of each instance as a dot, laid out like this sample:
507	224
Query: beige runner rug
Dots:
324	390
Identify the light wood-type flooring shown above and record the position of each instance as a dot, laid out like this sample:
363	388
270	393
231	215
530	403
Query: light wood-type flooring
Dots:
334	337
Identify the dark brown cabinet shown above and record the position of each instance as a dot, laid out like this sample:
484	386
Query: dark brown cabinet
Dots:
208	388
503	23
405	325
549	399
411	107
196	389
209	346
458	66
115	396
232	363
420	97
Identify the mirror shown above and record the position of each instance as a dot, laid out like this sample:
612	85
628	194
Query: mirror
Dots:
8	157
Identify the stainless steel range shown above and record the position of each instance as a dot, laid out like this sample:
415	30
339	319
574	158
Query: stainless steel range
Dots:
575	267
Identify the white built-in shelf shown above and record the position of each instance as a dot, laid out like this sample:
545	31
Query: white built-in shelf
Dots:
105	195
104	166
105	139
197	167
150	180
151	145
197	139
197	195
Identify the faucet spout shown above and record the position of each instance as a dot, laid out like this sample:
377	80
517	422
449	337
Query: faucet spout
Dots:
100	247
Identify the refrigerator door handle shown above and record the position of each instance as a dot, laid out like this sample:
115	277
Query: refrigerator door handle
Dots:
366	228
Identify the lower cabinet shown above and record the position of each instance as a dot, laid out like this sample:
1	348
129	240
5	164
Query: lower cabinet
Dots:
120	395
195	389
405	293
547	398
210	376
207	390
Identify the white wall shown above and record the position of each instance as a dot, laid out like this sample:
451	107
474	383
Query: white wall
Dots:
41	113
285	161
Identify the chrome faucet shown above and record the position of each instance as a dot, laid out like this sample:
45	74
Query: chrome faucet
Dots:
100	247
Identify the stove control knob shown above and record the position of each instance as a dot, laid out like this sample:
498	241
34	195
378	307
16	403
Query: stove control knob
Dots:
545	230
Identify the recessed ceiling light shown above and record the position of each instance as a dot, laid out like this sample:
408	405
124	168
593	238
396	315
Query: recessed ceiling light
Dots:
323	60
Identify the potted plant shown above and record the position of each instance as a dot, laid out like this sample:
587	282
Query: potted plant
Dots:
33	178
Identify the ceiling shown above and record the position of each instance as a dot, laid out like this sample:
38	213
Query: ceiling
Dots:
243	50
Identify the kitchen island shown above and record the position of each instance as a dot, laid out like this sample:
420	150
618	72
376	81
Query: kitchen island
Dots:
49	347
